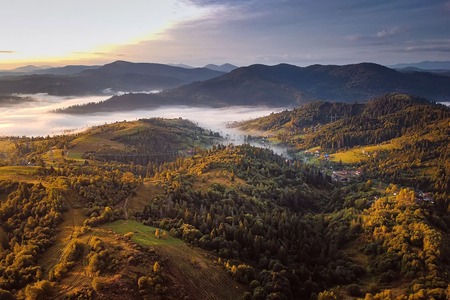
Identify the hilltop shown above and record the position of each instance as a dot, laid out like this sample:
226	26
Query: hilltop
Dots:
222	68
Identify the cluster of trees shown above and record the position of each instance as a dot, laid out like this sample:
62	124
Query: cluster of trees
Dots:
403	242
73	252
29	214
419	163
98	187
154	283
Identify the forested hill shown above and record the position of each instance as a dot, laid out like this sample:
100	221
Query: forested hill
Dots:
108	79
287	86
333	125
398	138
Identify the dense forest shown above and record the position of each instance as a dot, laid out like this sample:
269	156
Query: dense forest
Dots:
148	209
408	137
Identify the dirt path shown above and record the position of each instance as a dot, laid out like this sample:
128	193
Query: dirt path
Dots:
125	203
73	219
78	277
125	211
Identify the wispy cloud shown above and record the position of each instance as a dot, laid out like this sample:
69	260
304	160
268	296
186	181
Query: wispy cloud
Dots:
389	32
442	46
91	53
384	33
107	54
7	52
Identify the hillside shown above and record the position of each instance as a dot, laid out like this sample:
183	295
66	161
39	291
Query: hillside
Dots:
103	215
108	79
400	136
287	86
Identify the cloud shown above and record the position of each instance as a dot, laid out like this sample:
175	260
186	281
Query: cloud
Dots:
105	54
7	52
430	48
437	46
381	34
389	32
91	53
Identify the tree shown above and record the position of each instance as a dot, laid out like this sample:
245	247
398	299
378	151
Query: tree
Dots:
156	268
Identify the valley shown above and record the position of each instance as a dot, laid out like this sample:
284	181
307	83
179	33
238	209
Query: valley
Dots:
225	150
150	208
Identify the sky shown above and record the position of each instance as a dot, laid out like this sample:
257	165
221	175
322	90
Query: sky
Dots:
198	32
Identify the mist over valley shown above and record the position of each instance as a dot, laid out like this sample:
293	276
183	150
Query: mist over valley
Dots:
235	150
37	116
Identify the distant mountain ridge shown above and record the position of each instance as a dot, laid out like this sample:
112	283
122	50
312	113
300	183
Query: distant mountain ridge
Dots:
114	77
286	85
424	65
412	69
46	70
222	68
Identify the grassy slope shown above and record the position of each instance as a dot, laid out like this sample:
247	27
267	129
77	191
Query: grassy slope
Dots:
19	173
143	194
190	266
359	154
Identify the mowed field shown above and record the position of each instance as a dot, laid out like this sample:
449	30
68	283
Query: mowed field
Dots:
359	154
19	173
193	268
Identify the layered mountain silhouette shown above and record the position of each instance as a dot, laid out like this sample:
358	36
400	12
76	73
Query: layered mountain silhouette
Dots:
287	86
110	78
424	65
47	70
222	68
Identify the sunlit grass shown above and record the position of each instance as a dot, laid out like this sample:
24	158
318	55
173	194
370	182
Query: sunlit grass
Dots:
142	235
17	170
356	155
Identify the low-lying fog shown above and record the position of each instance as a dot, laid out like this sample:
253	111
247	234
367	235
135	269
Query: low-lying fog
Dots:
36	118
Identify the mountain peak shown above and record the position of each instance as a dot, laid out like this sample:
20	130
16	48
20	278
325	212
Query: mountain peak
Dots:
222	68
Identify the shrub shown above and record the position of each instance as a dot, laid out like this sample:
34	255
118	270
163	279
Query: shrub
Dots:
97	284
39	291
6	295
354	290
